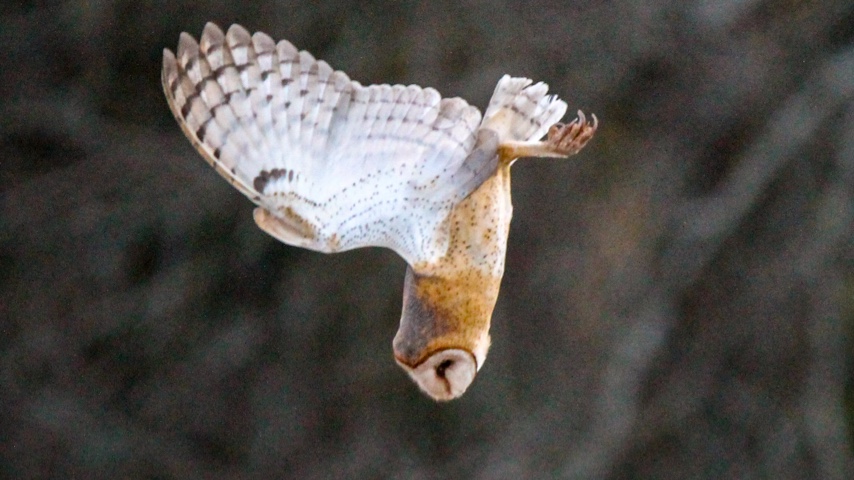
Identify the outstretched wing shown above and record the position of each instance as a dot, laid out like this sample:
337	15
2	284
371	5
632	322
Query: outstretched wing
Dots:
333	164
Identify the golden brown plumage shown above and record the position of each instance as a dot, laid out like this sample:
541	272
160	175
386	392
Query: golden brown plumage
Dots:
448	304
333	165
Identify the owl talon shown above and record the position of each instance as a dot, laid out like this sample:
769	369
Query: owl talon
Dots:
568	139
389	186
562	141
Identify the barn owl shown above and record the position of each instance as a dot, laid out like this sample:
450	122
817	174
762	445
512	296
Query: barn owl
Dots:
333	165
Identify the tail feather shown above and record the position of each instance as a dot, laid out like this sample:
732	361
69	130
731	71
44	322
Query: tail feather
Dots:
521	111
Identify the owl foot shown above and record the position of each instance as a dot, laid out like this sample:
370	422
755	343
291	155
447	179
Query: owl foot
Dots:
562	141
568	139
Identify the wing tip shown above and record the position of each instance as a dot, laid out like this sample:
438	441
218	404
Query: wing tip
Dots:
238	35
263	42
211	35
168	58
186	41
212	28
530	110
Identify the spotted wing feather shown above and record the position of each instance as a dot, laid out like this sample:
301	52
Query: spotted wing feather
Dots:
355	165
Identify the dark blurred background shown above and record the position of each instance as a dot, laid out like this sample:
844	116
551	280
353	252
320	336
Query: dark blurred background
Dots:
678	302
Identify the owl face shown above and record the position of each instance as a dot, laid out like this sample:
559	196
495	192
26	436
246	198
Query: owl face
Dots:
334	165
444	375
444	334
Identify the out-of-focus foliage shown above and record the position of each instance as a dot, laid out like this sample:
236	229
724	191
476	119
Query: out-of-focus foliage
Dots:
678	303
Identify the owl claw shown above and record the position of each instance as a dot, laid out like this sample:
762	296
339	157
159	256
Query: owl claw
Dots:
569	139
562	141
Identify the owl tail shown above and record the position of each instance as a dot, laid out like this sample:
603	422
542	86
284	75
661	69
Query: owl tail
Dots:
521	111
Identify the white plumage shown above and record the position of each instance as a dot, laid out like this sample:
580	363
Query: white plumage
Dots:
334	165
344	165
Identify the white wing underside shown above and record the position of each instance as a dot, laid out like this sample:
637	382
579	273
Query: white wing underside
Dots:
340	164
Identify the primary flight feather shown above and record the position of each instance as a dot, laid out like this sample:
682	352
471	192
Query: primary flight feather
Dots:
333	165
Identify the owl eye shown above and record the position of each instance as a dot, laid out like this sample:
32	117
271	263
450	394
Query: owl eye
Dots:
440	369
434	162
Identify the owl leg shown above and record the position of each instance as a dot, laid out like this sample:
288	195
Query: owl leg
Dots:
562	141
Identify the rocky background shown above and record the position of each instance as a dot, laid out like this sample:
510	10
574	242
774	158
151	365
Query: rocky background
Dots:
678	302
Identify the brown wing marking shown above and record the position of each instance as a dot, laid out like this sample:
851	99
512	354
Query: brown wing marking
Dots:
287	227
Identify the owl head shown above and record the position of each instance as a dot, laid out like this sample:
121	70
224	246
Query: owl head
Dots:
444	333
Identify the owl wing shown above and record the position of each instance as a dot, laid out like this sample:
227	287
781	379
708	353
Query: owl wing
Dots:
333	165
